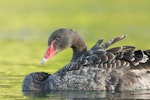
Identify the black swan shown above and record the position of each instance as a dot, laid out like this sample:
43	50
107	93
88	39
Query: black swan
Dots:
118	69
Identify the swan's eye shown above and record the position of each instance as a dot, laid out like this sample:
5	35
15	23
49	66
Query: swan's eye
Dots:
57	38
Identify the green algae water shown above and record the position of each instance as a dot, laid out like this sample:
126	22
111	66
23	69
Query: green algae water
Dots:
25	27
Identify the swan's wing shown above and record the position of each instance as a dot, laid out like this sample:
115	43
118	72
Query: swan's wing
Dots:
100	54
127	54
117	57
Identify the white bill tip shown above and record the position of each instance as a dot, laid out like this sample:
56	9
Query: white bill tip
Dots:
44	60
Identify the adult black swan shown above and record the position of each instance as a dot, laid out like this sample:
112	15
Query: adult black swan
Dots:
120	68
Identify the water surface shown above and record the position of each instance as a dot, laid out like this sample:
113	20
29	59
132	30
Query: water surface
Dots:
74	95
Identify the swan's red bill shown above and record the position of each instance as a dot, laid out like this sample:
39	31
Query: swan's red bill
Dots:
49	53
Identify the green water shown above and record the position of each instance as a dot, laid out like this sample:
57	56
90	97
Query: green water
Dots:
89	95
25	27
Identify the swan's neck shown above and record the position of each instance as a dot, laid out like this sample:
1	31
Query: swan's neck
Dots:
78	46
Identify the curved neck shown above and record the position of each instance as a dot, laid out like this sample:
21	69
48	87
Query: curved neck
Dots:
78	46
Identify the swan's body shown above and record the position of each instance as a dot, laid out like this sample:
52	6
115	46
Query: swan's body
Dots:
120	68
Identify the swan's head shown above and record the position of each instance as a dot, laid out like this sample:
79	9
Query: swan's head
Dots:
58	41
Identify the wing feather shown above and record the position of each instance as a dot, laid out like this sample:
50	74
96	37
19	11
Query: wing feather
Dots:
118	57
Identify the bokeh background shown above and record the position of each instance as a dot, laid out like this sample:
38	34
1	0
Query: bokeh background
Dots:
26	24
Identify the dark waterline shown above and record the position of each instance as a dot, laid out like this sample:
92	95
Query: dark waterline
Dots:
74	95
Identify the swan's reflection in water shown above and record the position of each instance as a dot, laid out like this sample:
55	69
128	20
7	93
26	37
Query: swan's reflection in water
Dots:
96	95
